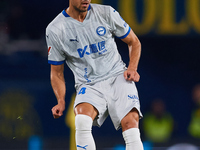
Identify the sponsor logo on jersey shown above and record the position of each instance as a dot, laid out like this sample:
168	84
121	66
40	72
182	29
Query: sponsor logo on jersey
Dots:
101	31
92	48
86	75
49	51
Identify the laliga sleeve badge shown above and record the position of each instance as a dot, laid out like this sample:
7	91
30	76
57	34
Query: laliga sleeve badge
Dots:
49	51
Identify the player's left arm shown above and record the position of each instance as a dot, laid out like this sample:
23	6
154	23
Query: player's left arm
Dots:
134	47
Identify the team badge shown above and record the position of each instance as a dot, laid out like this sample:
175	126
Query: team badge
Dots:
101	31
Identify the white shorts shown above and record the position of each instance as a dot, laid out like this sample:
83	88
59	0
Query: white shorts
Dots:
114	96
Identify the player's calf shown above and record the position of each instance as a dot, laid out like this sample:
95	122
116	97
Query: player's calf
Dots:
132	139
84	138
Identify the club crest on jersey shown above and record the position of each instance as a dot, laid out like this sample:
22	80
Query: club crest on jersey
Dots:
101	31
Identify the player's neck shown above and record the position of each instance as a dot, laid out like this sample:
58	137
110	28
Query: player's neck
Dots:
79	16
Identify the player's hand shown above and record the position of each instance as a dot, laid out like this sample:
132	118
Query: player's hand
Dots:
57	110
131	75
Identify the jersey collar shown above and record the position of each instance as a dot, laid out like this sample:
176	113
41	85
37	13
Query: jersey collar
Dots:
66	15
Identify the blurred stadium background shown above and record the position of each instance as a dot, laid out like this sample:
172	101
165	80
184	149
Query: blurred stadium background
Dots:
169	89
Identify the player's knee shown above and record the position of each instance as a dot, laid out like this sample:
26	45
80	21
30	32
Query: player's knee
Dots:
83	122
131	120
128	124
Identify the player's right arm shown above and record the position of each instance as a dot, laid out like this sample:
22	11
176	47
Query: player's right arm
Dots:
56	58
59	88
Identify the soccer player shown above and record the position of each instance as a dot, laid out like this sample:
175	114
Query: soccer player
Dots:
83	36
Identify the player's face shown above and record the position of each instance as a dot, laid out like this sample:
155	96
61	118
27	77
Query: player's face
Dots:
80	5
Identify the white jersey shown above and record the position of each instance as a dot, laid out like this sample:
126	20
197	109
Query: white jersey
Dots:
88	47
